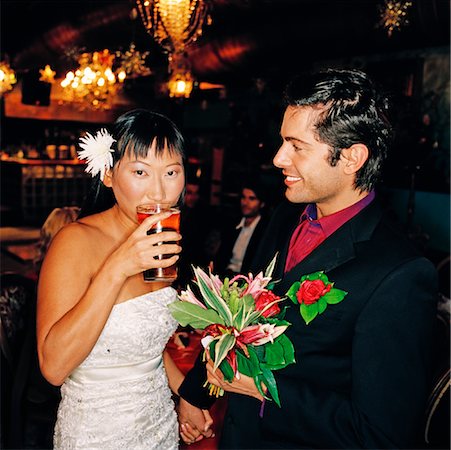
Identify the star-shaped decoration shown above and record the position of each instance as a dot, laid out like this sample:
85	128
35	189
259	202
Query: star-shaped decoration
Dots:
47	75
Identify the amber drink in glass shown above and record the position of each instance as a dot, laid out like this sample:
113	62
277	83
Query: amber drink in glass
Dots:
171	223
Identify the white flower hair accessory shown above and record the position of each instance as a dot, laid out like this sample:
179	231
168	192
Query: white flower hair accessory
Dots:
97	151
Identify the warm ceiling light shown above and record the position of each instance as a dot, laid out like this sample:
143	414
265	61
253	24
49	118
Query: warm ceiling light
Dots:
394	15
7	77
175	24
94	83
180	85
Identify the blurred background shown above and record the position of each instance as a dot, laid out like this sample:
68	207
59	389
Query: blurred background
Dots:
218	69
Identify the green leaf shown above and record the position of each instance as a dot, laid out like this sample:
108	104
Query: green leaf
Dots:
277	321
258	379
279	354
309	312
323	277
248	366
288	349
212	299
274	354
245	309
190	314
226	370
322	305
270	382
291	294
223	345
334	296
270	269
224	367
251	318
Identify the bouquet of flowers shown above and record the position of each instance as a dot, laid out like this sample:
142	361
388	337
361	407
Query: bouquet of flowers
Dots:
243	326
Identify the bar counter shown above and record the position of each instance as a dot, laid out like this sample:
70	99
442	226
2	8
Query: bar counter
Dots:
31	188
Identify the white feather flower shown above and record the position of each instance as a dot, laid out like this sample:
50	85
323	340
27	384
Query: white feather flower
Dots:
97	152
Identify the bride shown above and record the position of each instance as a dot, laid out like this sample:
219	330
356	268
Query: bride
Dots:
101	329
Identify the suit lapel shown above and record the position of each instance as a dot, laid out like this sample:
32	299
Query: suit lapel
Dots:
336	250
284	237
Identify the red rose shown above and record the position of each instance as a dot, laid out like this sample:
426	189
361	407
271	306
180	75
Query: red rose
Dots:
263	300
311	291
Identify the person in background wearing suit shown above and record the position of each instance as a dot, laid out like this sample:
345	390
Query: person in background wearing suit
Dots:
362	372
239	243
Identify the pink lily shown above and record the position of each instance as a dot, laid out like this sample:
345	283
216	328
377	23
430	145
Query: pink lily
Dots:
255	286
260	334
188	296
212	281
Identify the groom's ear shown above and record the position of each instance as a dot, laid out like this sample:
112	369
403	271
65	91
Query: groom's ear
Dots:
354	157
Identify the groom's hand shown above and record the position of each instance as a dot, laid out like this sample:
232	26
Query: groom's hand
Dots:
195	423
244	385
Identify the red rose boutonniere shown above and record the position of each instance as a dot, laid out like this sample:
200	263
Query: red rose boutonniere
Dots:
314	292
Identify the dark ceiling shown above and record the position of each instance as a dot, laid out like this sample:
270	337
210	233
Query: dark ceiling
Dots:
247	38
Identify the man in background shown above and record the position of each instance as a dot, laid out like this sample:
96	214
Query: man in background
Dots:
239	242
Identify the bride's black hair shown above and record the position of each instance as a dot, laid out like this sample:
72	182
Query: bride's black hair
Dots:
134	132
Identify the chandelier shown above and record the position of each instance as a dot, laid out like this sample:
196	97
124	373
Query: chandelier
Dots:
393	15
175	24
7	77
95	82
181	81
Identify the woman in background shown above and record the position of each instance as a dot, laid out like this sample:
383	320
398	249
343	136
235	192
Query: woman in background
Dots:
54	222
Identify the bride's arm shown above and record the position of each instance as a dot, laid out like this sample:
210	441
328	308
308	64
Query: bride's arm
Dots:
175	376
188	430
77	291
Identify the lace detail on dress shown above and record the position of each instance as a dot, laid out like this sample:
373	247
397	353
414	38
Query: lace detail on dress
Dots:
133	410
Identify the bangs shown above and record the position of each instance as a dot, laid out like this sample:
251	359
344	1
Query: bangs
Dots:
159	144
139	131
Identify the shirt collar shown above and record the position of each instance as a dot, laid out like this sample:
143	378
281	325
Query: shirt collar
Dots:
251	226
331	223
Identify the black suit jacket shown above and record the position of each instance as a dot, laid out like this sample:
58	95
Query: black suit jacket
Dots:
362	368
228	239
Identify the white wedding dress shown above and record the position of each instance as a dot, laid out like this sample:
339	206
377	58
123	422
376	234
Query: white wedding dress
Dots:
119	398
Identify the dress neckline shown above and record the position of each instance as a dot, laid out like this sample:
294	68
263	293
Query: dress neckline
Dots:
140	297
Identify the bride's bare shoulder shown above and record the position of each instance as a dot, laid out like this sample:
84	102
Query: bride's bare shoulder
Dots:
86	233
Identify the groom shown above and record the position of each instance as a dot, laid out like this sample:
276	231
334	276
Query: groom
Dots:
361	376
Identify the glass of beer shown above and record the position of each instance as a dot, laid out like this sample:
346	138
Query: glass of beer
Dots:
171	223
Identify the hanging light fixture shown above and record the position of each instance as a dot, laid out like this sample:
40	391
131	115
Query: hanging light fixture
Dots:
133	62
181	80
95	82
393	14
7	77
175	24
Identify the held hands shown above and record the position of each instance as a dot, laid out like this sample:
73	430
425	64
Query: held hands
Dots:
194	423
141	251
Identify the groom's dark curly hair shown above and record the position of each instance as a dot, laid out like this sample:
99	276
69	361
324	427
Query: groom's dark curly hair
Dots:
352	111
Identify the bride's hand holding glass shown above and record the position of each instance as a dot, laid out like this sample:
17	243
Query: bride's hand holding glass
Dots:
141	251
